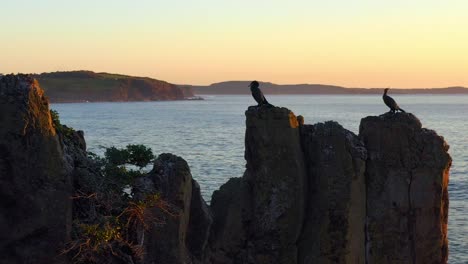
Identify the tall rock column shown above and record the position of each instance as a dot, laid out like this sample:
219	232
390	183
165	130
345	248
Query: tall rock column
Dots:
407	201
336	198
35	188
178	234
275	175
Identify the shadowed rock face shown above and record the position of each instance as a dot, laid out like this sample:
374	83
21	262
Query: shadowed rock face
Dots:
181	236
301	199
258	218
276	176
407	200
35	189
231	216
335	215
396	178
165	243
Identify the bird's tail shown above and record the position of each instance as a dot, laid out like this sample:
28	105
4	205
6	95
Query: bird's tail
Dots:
401	110
265	102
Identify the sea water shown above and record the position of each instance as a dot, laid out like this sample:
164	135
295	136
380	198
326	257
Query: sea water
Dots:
209	134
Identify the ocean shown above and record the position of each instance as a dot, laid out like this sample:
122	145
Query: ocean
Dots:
209	134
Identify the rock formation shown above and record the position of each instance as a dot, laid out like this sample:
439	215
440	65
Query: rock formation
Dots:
180	236
335	215
35	187
395	176
310	193
276	177
407	200
301	199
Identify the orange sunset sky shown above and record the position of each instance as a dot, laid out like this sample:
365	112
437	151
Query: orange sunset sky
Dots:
350	43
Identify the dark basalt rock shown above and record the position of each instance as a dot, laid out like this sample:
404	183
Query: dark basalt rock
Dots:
231	215
199	224
407	174
335	217
181	235
35	185
313	193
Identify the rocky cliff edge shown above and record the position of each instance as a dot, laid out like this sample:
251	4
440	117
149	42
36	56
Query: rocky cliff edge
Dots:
310	193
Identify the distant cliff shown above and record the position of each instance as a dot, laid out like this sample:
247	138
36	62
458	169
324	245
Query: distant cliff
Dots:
241	87
87	86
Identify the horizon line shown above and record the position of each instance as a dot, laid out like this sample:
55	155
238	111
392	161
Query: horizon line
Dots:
227	81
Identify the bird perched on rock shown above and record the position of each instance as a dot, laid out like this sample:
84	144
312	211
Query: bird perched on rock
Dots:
391	103
257	94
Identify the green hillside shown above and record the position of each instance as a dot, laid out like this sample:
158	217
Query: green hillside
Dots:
88	86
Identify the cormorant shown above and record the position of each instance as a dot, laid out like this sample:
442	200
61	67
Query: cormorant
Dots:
257	94
391	103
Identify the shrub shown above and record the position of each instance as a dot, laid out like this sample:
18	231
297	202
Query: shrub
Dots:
61	129
116	157
138	155
109	230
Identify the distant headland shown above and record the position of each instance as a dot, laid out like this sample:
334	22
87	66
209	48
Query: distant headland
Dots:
88	86
241	87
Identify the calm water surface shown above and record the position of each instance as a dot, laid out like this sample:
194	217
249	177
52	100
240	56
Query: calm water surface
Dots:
209	134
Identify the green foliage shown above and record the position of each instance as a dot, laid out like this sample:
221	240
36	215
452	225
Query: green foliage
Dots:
138	155
116	156
109	228
116	162
55	118
97	159
61	129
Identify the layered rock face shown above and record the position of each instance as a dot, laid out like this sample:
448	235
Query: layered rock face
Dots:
258	218
275	175
407	200
335	213
363	199
301	199
35	187
179	234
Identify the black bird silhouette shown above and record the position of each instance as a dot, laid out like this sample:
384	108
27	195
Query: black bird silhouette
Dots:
391	103
257	94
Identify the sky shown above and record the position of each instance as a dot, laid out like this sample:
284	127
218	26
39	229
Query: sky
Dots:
359	43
